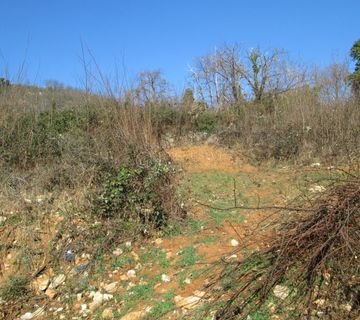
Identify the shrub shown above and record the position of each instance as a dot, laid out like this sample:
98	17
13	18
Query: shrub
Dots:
15	287
137	192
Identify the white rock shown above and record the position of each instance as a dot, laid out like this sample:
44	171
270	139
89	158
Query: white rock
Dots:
84	307
165	278
281	292
131	274
187	281
107	297
158	241
118	252
27	316
187	302
317	188
234	243
111	287
128	244
2	219
315	164
42	282
57	281
347	307
38	312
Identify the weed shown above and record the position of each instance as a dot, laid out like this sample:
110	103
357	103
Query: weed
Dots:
187	257
15	287
162	307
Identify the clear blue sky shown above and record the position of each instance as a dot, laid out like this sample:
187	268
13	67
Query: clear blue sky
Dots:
166	34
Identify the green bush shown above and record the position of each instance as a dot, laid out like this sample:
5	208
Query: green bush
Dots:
15	287
206	122
30	137
137	192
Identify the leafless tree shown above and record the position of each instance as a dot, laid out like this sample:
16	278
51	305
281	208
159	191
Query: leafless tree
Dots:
150	87
270	73
333	82
231	74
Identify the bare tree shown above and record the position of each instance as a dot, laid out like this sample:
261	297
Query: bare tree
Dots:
333	82
230	74
270	73
151	87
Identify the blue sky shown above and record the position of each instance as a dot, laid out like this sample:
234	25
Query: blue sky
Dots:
165	35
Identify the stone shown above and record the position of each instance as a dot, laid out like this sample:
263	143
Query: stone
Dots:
346	307
27	316
69	256
187	281
117	252
42	282
2	219
272	307
131	274
111	287
281	292
315	164
38	313
234	243
165	278
135	255
128	244
187	302
158	241
57	281
51	293
107	313
84	307
124	277
135	315
317	188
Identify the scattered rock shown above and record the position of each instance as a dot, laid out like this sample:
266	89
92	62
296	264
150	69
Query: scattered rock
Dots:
51	293
317	188
98	299
124	277
188	302
131	274
107	313
128	244
84	307
320	302
135	255
346	307
42	282
165	278
234	243
272	307
57	281
81	267
158	241
135	315
69	256
117	252
315	164
111	287
281	292
27	316
187	281
231	257
2	219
